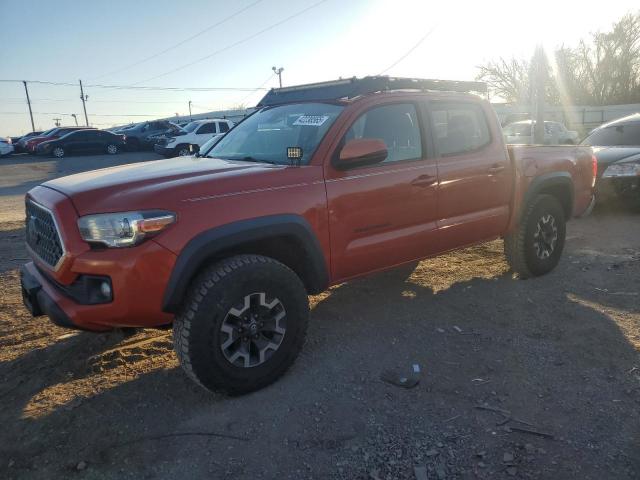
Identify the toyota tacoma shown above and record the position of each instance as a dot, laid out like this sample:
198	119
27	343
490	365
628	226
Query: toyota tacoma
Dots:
324	183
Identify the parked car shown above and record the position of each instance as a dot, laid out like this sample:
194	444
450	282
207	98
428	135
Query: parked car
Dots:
141	135
201	151
555	133
52	134
194	133
161	137
6	148
322	184
617	148
83	141
19	143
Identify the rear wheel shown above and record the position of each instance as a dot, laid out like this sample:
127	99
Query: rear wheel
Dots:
536	245
112	149
58	152
242	325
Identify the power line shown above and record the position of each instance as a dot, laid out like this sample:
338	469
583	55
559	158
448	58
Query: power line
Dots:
93	114
138	87
155	55
241	102
410	51
235	44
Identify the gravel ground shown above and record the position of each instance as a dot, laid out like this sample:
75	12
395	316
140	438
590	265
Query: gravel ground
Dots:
518	379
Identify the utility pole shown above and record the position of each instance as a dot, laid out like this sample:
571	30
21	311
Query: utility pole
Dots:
190	119
26	90
75	118
84	98
56	121
278	71
540	78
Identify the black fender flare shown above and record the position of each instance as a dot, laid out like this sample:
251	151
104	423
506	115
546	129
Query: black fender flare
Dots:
204	246
549	181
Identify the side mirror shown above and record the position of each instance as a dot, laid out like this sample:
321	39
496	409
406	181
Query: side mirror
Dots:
362	152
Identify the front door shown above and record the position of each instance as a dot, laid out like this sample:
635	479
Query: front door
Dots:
383	215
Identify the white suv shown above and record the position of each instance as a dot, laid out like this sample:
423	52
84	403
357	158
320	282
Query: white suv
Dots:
195	133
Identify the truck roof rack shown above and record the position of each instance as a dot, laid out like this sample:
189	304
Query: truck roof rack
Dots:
354	87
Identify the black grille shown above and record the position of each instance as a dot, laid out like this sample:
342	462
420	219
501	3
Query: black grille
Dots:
42	235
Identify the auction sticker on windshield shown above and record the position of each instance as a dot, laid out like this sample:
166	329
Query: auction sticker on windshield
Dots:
311	120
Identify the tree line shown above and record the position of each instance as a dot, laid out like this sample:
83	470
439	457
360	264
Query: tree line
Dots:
603	69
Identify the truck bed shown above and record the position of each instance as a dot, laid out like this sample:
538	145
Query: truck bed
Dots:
532	162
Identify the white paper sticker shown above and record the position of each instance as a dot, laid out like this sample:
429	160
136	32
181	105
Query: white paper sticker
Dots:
311	120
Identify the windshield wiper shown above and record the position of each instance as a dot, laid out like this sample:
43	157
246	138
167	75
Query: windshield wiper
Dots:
250	159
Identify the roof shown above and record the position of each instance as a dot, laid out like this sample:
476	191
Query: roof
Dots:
633	118
206	120
344	89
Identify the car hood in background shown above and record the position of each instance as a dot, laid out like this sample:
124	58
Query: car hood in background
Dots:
609	155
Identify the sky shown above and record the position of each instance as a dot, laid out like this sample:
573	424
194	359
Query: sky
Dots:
234	45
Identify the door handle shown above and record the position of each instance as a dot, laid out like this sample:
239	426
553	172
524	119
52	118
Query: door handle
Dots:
424	181
493	169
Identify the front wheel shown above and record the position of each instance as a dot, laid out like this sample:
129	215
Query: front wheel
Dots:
58	152
243	324
535	246
183	150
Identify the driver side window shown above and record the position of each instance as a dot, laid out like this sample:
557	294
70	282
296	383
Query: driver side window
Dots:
396	125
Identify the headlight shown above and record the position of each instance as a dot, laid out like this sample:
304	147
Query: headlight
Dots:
123	229
631	169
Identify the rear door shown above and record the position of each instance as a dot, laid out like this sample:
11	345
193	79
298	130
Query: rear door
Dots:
474	172
383	215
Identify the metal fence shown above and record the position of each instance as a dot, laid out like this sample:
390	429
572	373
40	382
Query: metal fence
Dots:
580	118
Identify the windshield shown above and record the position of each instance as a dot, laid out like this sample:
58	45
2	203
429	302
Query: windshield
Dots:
615	135
48	132
266	135
190	127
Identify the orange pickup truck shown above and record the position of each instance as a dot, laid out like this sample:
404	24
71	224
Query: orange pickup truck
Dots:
322	184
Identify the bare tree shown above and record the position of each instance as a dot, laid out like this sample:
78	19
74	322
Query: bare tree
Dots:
508	79
603	70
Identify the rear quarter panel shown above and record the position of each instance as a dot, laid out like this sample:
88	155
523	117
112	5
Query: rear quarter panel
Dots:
533	161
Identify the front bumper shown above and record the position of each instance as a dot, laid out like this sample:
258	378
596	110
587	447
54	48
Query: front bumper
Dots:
37	301
618	187
137	275
164	150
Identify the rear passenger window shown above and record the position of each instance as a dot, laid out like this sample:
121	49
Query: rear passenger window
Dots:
223	126
459	127
397	125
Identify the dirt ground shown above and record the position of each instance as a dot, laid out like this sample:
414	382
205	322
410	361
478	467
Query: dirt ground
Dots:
518	379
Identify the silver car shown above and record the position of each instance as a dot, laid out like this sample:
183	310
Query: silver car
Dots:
555	133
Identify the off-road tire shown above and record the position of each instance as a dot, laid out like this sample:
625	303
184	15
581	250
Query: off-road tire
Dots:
519	246
197	327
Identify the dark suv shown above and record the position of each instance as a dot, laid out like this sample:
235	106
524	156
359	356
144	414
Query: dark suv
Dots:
142	135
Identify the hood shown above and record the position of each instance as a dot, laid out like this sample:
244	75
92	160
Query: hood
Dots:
160	184
609	155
